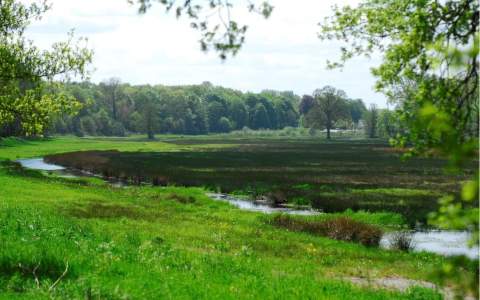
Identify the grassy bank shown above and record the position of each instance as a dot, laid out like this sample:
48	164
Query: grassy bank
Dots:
65	238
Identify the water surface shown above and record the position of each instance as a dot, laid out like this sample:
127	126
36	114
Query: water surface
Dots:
39	164
443	242
260	207
437	241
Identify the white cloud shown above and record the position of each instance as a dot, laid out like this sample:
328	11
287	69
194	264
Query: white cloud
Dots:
281	53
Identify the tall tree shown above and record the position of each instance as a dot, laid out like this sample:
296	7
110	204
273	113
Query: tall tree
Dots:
357	109
371	121
111	90
306	104
330	106
260	118
27	97
388	125
239	114
146	100
216	110
430	64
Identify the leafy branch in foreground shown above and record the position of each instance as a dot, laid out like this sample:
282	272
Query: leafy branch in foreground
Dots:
28	100
430	71
222	33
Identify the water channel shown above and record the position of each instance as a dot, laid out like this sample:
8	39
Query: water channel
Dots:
437	241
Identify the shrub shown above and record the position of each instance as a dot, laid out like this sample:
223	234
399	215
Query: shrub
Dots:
276	197
402	240
342	228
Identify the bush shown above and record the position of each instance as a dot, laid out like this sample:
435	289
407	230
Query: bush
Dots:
342	228
402	240
276	197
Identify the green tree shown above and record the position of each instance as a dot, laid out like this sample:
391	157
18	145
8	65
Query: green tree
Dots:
27	96
216	110
430	70
111	90
146	101
200	121
371	121
118	129
191	103
88	125
239	114
136	122
178	126
260	117
330	106
357	109
224	125
306	104
103	122
388	126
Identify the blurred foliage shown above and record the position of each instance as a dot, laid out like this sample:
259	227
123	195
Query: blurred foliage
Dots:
221	33
430	71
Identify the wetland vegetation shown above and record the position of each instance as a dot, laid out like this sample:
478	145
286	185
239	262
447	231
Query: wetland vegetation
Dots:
112	190
176	238
329	176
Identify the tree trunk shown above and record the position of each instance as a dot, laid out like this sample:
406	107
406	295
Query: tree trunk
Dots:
150	132
114	106
328	132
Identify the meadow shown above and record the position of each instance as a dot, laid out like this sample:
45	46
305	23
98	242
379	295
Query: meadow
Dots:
82	238
329	176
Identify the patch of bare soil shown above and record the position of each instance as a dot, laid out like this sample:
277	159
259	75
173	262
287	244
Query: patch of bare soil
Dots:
402	284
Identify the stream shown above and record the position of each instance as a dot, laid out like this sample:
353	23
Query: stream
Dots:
442	242
260	206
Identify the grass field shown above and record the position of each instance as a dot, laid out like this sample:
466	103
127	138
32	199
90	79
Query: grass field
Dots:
82	239
333	177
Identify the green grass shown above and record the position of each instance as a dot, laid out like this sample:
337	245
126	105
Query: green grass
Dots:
170	242
332	176
13	148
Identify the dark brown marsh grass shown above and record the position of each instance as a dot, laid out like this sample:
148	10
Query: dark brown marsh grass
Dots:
334	174
342	228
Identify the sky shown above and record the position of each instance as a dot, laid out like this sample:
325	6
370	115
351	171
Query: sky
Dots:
281	53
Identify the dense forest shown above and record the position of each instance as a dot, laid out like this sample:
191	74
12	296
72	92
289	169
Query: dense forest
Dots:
113	108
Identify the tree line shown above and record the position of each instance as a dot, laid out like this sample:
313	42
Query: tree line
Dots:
114	108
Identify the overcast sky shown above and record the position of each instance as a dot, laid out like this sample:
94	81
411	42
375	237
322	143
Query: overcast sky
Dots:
281	53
